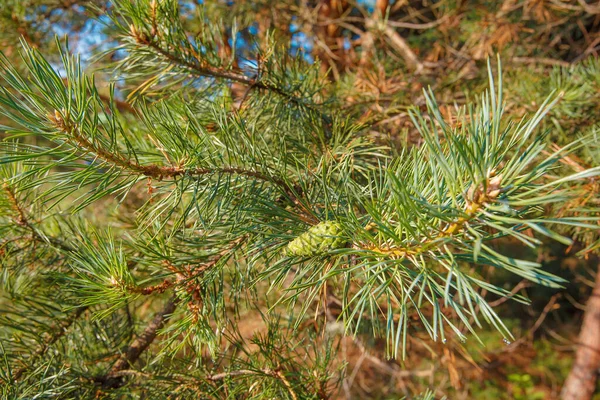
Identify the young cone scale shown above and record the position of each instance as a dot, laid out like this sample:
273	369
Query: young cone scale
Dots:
319	239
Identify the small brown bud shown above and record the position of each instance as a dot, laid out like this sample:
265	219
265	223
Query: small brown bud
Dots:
495	181
57	118
370	226
138	35
494	193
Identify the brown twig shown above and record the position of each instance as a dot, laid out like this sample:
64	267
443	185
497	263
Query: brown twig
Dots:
581	382
541	60
138	346
476	199
589	8
58	331
399	43
22	220
277	374
286	383
225	375
113	378
159	172
272	373
202	68
154	289
521	285
537	324
191	274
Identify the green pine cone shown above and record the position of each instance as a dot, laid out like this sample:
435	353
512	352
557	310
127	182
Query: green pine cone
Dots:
319	239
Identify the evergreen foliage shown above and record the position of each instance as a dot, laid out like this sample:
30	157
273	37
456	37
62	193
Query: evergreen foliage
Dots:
134	240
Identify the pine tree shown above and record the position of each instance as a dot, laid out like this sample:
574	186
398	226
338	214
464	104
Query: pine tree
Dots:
138	232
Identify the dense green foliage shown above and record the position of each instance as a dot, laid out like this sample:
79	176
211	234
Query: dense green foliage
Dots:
201	220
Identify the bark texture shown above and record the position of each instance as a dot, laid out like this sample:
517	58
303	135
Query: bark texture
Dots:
581	382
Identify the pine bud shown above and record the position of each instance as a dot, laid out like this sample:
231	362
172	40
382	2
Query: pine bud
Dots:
58	120
319	239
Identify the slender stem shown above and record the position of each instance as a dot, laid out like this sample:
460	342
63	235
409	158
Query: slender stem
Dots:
277	374
400	44
58	331
286	383
152	170
22	220
477	198
191	274
203	69
138	346
158	288
230	374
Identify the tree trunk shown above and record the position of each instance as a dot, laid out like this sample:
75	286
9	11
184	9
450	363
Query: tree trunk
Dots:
581	382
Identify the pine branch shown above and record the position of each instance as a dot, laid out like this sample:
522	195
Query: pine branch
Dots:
189	276
121	105
58	330
478	197
152	170
286	383
22	220
138	346
230	374
154	289
272	373
203	69
276	373
399	43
